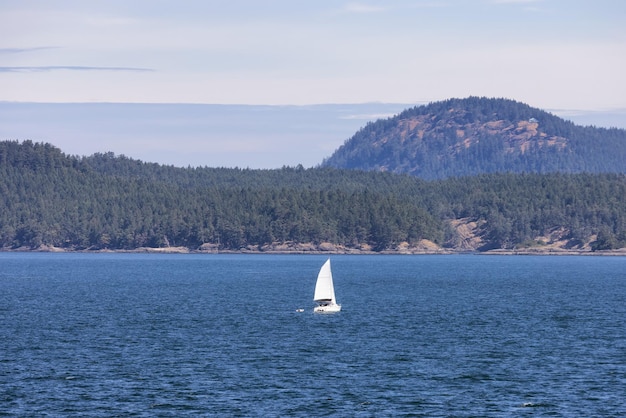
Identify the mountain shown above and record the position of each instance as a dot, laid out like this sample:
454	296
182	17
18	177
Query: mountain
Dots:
460	137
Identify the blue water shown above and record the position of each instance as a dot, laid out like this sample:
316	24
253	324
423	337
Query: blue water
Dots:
218	335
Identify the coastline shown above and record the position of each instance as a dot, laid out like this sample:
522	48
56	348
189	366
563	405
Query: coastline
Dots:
330	250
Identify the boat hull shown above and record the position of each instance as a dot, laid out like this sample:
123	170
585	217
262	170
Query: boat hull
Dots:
327	309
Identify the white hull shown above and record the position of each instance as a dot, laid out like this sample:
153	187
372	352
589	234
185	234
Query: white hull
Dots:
327	309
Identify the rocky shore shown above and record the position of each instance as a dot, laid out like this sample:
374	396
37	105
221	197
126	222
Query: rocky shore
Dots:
422	247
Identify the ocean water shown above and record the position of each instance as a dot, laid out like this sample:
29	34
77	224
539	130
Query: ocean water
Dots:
102	335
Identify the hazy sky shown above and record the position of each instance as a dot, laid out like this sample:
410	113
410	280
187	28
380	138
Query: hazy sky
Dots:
547	53
552	54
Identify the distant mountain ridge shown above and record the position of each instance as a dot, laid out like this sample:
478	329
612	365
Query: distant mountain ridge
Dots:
476	135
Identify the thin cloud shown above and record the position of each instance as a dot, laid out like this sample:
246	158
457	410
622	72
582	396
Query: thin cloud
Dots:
24	50
368	116
69	68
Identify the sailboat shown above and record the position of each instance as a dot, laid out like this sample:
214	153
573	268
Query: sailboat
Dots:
325	291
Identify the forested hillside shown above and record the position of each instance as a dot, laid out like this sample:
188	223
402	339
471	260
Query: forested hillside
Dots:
463	137
113	202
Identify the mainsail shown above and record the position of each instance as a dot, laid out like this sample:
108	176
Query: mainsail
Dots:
324	289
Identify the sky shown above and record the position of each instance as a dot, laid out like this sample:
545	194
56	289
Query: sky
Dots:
197	135
565	56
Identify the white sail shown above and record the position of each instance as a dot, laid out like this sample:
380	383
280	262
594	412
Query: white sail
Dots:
325	291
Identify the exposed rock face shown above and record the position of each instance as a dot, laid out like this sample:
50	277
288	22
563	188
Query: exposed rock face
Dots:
457	134
467	236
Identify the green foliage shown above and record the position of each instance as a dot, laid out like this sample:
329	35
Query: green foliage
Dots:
518	208
105	201
114	202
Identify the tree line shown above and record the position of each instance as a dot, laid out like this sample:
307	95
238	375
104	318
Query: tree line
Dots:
106	201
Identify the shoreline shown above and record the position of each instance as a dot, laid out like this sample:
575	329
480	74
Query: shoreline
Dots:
319	251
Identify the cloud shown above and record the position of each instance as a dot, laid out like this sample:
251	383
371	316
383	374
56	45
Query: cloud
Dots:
69	68
23	50
368	116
